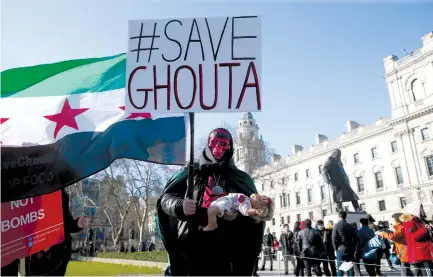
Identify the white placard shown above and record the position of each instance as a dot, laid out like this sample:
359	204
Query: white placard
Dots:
194	65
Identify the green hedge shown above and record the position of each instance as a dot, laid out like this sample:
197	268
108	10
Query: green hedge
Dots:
152	256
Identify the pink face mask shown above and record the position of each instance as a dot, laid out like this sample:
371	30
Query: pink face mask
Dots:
219	143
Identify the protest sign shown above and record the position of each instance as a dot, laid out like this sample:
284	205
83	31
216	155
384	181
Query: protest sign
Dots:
30	225
194	65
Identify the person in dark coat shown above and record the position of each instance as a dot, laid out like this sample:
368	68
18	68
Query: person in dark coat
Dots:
54	261
328	254
345	242
334	175
268	245
365	234
299	269
311	247
286	243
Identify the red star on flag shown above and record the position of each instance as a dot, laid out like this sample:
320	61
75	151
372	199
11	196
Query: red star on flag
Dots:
137	115
66	117
3	120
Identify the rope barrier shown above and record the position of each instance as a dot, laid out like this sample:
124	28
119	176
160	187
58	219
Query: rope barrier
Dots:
278	256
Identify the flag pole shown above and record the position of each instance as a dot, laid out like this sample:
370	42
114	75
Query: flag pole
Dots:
22	268
190	182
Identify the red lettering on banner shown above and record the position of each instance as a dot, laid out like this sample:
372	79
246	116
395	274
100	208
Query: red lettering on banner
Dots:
256	85
197	80
30	225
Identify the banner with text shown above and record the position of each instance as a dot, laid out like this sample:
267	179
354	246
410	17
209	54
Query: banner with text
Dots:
30	225
194	65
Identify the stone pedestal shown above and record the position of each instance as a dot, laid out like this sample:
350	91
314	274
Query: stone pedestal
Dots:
351	217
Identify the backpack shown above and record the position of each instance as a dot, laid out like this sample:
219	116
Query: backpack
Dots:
374	244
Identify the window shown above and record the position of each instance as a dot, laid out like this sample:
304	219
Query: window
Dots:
307	173
322	193
284	200
362	207
310	195
272	184
281	201
356	158
429	162
283	181
360	183
282	220
402	202
425	134
379	180
417	90
394	148
399	175
298	198
324	213
374	154
298	217
263	186
320	169
288	200
288	219
310	215
273	221
382	205
296	177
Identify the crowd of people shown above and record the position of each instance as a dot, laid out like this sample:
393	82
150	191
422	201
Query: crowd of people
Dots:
323	249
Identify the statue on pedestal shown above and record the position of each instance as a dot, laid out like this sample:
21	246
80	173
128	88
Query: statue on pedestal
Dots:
334	175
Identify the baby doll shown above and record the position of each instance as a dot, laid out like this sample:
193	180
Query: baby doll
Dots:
258	207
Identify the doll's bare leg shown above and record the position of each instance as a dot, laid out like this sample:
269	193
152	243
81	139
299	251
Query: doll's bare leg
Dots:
212	213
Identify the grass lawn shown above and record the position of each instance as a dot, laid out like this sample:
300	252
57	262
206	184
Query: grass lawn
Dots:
76	268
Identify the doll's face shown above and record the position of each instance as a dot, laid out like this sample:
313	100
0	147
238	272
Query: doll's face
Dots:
259	201
219	143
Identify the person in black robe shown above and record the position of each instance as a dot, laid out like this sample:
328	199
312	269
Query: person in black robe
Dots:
231	249
334	175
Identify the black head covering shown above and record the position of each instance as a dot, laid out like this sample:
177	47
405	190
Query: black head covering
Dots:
208	164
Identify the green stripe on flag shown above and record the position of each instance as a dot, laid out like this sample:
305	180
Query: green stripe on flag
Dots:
65	77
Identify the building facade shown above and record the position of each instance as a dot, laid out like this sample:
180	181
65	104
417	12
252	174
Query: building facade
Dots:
389	162
250	147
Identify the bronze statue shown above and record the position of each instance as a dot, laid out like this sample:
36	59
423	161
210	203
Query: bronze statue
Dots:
334	175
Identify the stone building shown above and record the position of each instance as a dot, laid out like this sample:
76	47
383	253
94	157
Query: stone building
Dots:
389	162
250	148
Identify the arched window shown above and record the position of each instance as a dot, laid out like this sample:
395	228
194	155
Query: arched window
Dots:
417	90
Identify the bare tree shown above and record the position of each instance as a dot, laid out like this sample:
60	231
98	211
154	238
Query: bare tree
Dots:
117	202
269	152
113	199
144	182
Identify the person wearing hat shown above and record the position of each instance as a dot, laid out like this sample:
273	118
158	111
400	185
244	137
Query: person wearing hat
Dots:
329	252
400	246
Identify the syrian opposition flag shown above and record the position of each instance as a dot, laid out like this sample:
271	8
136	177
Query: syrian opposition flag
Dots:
64	121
